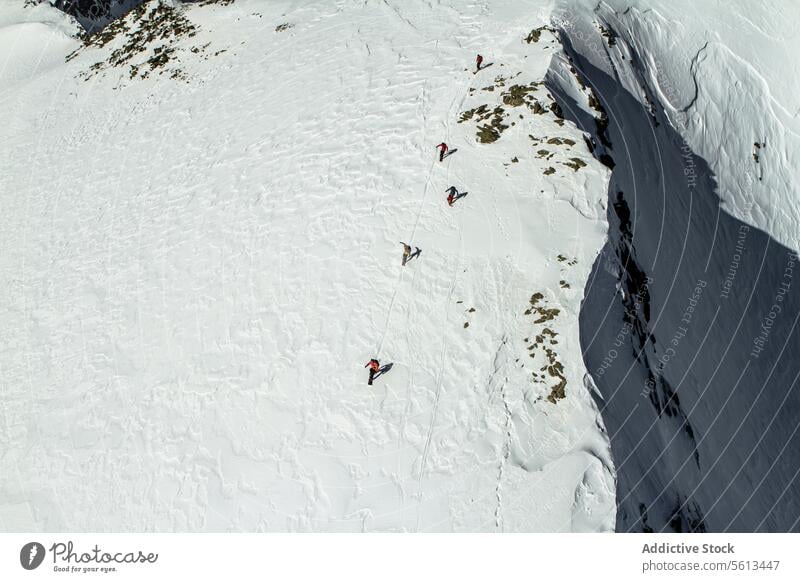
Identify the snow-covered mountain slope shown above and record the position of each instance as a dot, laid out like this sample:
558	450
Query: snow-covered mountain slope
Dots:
94	15
23	35
725	76
200	220
690	321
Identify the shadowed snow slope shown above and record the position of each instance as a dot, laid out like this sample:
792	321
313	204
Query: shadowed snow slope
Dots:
95	14
200	241
724	74
690	321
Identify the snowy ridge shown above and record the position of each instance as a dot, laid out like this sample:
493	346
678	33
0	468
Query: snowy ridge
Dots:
24	33
691	318
725	84
201	252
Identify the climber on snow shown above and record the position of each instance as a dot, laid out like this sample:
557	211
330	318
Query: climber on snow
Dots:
478	63
453	194
407	254
442	150
374	366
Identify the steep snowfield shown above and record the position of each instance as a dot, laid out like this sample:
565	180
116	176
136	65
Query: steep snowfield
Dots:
690	322
200	253
31	41
725	75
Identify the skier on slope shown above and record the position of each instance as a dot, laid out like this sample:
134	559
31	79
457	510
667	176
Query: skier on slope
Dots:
442	150
478	63
374	366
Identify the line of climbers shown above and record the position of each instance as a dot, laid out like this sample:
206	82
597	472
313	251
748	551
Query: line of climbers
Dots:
374	366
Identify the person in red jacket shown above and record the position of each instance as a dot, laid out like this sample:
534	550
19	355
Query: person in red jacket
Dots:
478	63
374	366
453	194
442	150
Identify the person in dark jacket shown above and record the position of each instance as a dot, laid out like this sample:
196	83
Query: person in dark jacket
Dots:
452	195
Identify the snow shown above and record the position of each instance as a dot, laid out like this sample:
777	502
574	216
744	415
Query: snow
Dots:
21	44
31	41
690	320
197	265
723	76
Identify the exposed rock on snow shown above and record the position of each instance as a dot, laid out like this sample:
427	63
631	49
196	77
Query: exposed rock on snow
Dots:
144	41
